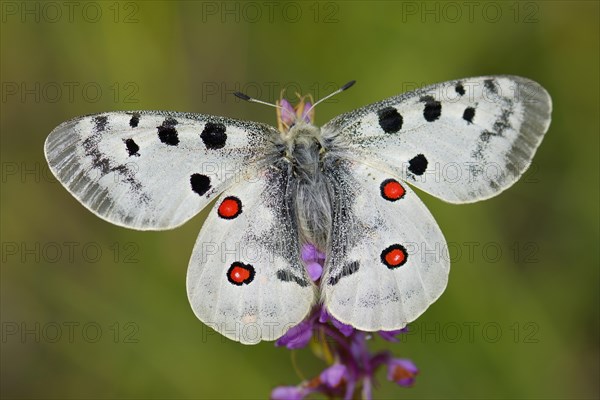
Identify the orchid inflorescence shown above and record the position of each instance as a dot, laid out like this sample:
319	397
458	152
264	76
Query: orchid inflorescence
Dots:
352	367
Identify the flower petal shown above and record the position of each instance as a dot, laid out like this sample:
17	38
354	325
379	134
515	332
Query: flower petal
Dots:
390	336
402	371
309	252
298	336
320	256
305	112
288	393
314	270
346	330
288	116
333	375
324	316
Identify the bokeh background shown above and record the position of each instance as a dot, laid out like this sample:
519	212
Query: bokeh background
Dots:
91	310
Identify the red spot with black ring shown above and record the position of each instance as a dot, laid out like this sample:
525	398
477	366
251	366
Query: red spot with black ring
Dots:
392	190
394	256
230	207
240	274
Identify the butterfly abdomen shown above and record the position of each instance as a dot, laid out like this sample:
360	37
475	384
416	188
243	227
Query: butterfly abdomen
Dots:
313	211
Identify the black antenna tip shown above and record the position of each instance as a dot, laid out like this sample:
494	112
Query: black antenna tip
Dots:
242	96
347	85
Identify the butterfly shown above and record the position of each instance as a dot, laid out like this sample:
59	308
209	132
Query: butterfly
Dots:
343	188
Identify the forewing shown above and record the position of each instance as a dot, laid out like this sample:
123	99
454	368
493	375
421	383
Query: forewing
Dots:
387	260
245	277
461	141
152	169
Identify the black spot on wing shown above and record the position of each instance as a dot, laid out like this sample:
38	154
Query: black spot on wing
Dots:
132	147
390	120
100	123
168	135
469	114
287	276
135	120
214	136
418	164
200	183
167	132
347	270
490	85
433	108
460	89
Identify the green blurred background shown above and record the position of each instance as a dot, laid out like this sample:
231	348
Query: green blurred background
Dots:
91	310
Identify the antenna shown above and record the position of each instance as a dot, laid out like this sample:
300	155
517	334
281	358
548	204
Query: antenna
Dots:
245	97
340	90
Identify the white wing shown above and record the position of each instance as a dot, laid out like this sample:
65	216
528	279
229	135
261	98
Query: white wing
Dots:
152	169
461	141
245	277
387	260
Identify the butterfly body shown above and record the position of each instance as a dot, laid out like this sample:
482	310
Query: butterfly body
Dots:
341	187
305	158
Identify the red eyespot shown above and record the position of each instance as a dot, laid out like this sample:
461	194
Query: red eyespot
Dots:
394	256
230	208
392	190
240	273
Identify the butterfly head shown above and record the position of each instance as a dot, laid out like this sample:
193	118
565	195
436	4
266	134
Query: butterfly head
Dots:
295	123
289	116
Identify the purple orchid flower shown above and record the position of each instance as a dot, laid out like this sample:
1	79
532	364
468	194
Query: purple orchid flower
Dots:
346	330
390	336
402	371
288	393
288	115
306	112
352	368
332	377
313	260
298	336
